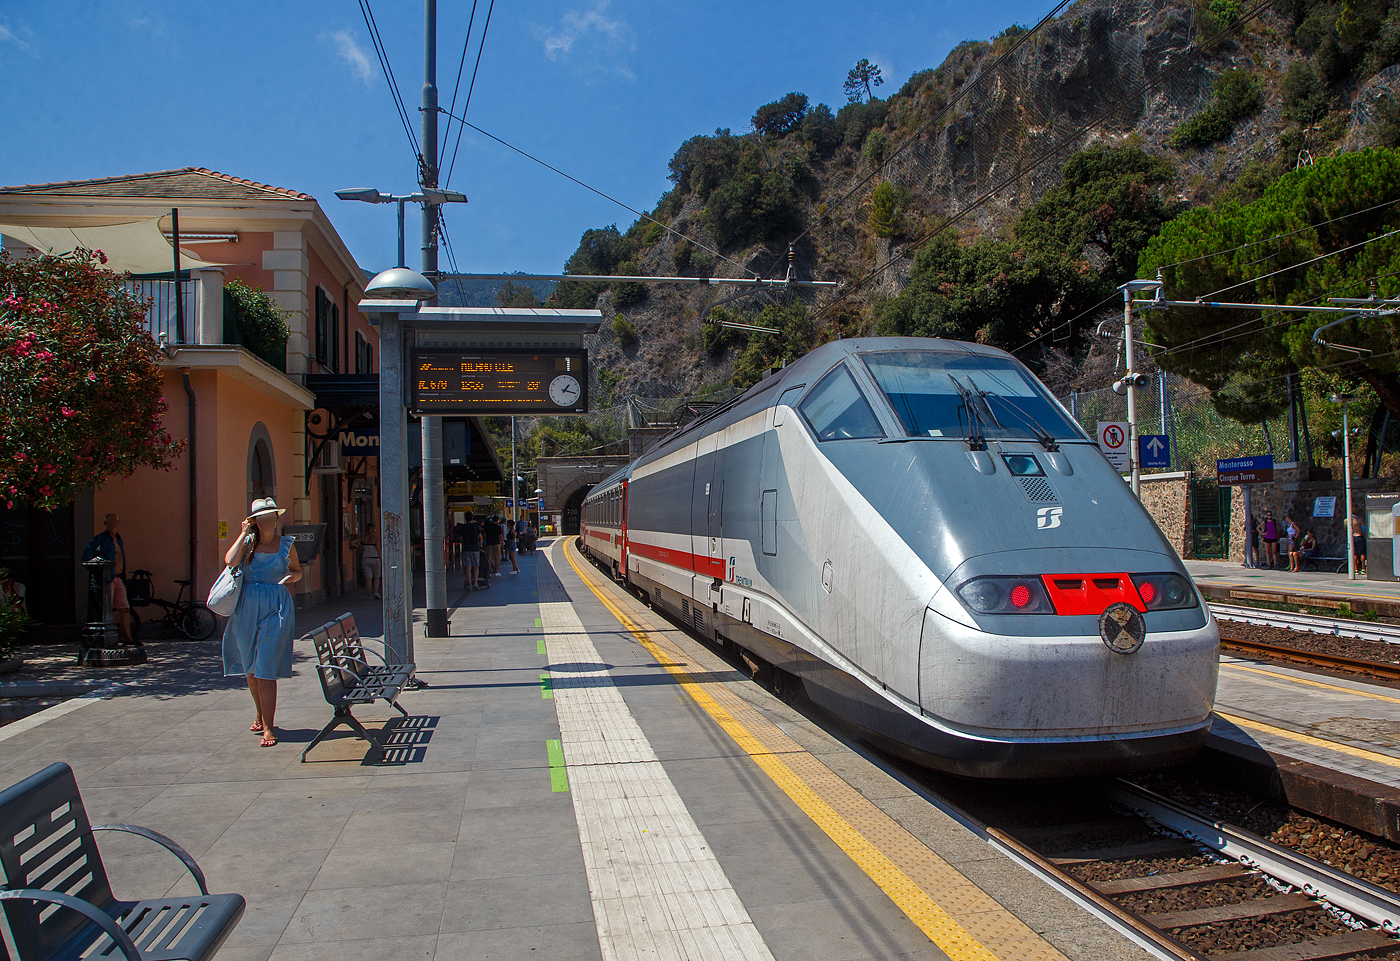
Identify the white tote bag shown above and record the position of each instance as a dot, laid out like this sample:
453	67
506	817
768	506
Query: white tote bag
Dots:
223	596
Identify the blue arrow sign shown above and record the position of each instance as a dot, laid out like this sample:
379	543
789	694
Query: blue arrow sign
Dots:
1154	450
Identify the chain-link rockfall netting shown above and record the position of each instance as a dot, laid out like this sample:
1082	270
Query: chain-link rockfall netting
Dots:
1098	70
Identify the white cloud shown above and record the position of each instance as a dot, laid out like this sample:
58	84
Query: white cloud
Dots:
601	40
12	36
349	50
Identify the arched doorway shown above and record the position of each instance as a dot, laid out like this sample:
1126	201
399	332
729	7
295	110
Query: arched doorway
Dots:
573	508
262	469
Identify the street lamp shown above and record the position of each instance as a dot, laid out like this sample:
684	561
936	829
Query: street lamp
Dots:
399	282
1345	399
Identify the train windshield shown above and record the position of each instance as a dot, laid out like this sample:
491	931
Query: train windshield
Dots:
940	393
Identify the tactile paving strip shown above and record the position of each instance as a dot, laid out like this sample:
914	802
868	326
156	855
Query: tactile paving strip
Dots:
658	891
957	916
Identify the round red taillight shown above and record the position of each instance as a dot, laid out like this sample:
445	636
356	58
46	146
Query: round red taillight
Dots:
1020	595
1148	592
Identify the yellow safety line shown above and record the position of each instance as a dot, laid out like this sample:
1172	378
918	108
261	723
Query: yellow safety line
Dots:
1357	752
940	927
1300	680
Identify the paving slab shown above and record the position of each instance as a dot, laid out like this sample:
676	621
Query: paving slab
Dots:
603	812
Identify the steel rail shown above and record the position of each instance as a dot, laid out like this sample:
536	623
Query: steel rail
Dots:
1273	652
1358	898
1318	624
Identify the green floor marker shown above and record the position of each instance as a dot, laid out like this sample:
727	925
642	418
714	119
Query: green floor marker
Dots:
537	623
539	646
558	777
546	687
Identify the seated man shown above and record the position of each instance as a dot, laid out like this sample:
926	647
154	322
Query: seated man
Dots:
108	544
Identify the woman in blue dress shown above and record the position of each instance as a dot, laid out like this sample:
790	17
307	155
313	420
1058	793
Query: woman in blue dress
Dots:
258	637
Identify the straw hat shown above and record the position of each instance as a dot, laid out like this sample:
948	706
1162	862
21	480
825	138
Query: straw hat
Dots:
265	505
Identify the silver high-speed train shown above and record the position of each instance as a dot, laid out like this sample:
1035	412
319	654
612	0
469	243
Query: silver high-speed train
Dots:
919	532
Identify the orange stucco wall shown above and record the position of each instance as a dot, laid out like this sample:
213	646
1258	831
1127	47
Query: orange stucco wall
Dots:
154	505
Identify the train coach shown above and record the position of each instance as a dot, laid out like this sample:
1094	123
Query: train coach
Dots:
919	533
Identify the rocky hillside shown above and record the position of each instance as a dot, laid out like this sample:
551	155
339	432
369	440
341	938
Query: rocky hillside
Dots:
1220	97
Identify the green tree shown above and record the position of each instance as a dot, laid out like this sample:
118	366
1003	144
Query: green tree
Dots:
1304	96
796	336
781	117
600	251
861	79
81	378
512	294
1267	252
754	203
1108	202
884	209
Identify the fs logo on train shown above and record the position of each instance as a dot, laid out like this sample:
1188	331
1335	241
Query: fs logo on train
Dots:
1048	517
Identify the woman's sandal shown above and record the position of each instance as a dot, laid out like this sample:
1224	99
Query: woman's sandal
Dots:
256	727
269	740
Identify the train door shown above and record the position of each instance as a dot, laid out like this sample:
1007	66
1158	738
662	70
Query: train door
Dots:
702	490
622	533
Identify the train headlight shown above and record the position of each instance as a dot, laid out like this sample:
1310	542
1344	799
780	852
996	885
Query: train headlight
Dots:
1005	595
1164	592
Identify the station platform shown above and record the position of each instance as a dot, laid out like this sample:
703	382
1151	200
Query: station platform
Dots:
580	780
1329	744
1230	583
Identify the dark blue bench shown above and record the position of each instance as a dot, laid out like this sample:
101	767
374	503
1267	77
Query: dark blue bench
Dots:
50	858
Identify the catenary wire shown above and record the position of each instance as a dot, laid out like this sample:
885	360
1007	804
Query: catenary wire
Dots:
470	87
382	53
461	63
595	190
1215	337
1283	270
1196	52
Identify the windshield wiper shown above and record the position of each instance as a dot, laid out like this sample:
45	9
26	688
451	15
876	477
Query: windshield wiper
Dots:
1043	436
976	438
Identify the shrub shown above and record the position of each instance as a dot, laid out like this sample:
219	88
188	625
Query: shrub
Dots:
1304	96
1234	96
752	204
821	131
653	234
262	324
623	330
877	145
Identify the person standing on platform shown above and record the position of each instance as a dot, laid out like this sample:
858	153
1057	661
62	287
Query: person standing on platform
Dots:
1358	541
258	637
491	541
108	545
512	538
368	544
471	550
1268	530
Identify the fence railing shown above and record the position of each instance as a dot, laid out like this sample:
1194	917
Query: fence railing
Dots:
160	312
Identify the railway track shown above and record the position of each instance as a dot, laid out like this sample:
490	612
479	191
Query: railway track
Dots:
1180	885
1291	655
1339	626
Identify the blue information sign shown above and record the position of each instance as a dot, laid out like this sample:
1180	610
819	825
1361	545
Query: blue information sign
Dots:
1245	470
1154	450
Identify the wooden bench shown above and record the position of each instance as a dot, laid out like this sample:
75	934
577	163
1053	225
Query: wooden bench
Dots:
50	858
347	678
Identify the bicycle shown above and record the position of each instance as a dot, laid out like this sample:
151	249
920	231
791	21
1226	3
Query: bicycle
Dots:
190	617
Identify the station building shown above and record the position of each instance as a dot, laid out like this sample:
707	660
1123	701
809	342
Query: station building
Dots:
257	424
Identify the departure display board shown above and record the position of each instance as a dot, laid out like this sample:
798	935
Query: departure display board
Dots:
496	382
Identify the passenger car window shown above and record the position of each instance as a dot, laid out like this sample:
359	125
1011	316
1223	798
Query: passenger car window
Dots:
837	410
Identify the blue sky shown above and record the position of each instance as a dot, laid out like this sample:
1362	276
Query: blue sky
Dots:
289	93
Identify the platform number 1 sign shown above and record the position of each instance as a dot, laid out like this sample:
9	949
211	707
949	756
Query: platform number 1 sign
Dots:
1113	441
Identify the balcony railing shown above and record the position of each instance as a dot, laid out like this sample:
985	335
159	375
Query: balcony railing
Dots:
160	314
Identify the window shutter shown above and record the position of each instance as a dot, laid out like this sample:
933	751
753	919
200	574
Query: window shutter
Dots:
321	325
335	337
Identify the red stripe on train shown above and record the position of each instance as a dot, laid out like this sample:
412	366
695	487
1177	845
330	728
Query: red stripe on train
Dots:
686	561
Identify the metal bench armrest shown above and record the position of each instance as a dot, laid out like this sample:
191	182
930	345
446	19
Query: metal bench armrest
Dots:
369	650
164	842
93	913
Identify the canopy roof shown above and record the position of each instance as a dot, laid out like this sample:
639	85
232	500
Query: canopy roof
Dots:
138	247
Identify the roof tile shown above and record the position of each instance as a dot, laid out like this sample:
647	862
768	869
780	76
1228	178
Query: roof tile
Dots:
186	182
